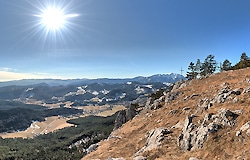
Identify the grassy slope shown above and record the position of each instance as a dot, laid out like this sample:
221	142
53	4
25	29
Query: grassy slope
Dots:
223	144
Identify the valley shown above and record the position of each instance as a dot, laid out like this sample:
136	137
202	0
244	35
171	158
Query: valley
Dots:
50	124
63	119
54	123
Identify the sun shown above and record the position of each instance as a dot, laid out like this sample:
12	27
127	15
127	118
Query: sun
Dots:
53	18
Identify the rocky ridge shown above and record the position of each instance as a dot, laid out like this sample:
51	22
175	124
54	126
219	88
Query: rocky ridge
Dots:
207	118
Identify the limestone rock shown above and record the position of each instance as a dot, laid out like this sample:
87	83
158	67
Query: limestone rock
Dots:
248	132
179	125
238	133
203	105
237	91
156	105
139	158
124	116
154	139
193	158
245	127
222	96
178	85
193	137
92	148
226	117
247	90
240	111
172	96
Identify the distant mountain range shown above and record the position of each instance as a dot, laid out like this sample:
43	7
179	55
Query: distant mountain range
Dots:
167	78
84	92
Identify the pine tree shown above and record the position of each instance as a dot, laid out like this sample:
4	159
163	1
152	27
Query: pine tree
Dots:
243	57
209	66
226	65
192	74
244	62
198	67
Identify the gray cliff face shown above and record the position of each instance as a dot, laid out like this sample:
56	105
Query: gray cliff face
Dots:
124	116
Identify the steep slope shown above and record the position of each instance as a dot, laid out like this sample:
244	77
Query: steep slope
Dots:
206	118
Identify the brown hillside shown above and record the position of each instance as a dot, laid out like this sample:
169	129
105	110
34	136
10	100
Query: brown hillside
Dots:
200	97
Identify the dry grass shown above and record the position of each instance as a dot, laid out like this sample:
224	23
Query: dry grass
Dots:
49	125
221	145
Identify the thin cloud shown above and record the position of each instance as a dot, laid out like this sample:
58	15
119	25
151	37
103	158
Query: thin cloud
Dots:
6	75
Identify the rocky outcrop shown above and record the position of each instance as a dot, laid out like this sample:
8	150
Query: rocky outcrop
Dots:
124	116
170	96
92	148
154	139
193	136
245	127
224	95
203	105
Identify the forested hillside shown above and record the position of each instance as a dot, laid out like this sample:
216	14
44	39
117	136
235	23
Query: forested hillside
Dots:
67	143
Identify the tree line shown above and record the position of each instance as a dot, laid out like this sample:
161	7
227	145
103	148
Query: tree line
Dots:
209	66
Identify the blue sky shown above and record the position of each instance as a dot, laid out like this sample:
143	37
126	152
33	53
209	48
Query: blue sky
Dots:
119	38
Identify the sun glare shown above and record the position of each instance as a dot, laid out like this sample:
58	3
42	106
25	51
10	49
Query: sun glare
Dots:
53	18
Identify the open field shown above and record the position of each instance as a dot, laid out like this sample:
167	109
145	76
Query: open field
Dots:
49	125
54	123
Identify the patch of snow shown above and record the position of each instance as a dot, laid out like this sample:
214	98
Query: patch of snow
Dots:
167	84
70	94
109	99
123	95
29	89
149	86
105	91
139	90
129	83
95	93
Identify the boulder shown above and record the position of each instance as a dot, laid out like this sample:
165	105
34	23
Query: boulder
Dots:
222	96
154	139
203	105
245	127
